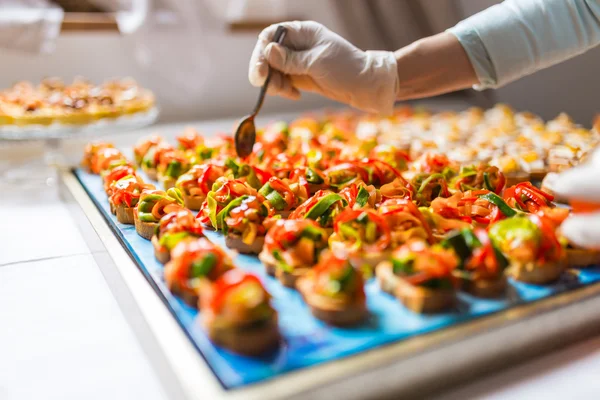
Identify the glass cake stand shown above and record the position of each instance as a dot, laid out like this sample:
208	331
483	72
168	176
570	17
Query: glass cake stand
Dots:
16	172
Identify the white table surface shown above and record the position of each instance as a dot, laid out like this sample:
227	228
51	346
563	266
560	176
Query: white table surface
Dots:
64	336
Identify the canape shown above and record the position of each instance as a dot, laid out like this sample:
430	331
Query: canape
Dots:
90	154
115	174
405	220
478	207
194	263
197	182
171	166
124	197
482	265
143	146
292	248
476	177
223	191
152	206
237	314
334	291
151	160
172	229
244	222
532	248
105	157
362	236
420	276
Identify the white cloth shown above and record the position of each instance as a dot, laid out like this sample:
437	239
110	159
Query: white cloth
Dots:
29	25
582	183
519	37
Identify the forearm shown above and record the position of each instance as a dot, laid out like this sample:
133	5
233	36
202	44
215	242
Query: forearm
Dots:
433	66
518	37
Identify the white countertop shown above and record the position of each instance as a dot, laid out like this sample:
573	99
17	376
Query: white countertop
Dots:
64	336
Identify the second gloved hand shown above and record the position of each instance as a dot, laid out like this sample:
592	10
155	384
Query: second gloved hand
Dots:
582	183
314	59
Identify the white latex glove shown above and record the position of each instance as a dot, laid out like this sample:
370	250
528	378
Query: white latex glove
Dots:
582	183
314	59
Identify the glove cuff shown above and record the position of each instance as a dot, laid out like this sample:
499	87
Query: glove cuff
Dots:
380	79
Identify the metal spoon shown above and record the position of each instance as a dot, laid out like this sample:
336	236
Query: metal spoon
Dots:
245	135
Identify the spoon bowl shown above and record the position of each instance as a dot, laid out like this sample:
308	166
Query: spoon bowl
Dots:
245	134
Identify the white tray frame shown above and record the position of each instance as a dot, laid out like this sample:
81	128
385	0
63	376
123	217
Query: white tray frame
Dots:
417	366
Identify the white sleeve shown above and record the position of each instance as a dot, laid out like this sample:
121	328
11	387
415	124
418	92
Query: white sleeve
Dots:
519	37
29	25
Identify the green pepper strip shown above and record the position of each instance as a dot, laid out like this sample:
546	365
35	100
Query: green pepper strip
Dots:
204	266
276	200
497	201
362	197
323	205
312	233
313	177
428	181
170	240
225	212
487	183
232	165
173	169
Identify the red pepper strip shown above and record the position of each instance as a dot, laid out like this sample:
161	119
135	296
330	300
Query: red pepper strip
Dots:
530	186
501	183
279	186
228	281
531	195
482	220
203	181
264	176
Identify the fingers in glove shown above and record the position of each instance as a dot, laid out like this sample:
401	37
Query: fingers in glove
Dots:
281	85
581	183
583	230
299	35
286	60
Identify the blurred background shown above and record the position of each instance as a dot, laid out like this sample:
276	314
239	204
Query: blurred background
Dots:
194	53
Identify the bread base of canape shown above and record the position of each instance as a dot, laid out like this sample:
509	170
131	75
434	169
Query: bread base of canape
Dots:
537	274
251	340
388	281
582	257
268	261
290	279
125	215
329	310
516	177
162	254
485	288
424	300
113	208
144	229
188	296
235	242
193	202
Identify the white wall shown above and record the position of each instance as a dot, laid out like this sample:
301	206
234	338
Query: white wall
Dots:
226	91
570	87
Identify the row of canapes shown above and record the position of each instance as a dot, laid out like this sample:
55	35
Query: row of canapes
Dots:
325	249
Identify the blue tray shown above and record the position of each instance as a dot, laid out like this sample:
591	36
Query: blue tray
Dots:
308	341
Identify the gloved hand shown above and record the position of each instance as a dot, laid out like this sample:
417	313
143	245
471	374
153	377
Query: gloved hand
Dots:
315	59
582	183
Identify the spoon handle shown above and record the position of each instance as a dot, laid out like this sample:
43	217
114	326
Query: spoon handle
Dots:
278	37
